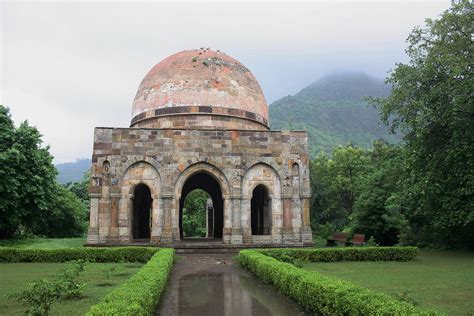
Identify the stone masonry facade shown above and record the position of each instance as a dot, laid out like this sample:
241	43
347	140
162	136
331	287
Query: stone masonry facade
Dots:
165	158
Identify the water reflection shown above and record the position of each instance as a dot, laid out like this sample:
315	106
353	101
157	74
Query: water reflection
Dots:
230	293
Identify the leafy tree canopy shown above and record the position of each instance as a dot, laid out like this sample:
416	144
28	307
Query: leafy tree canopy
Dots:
30	199
432	103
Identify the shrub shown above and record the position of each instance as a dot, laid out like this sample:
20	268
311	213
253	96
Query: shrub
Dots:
112	254
68	286
140	294
38	296
319	294
346	254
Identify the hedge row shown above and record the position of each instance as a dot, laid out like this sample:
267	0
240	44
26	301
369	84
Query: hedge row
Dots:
140	294
324	295
346	254
115	254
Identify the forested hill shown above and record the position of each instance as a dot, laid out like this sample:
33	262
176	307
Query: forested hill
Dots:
72	171
333	112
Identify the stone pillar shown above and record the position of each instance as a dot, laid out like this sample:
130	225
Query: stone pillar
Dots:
227	233
104	219
125	218
236	222
114	217
157	220
167	233
296	207
93	232
277	220
306	234
287	231
245	220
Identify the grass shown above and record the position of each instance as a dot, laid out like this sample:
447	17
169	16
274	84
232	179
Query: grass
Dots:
436	279
39	242
99	277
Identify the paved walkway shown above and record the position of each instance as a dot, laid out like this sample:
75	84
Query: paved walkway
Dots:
214	284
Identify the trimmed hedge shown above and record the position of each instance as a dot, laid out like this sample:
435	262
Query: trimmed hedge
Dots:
320	294
115	254
346	254
140	294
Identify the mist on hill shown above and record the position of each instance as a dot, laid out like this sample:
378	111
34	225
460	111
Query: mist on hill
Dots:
333	112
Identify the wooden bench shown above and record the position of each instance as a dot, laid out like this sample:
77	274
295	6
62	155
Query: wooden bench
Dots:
357	240
336	239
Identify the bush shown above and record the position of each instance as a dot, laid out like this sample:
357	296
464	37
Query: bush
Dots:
113	254
319	294
140	294
345	254
38	296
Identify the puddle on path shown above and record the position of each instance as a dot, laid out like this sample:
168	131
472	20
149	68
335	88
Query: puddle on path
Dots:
205	285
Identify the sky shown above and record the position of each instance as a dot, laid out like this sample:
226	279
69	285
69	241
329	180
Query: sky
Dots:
69	66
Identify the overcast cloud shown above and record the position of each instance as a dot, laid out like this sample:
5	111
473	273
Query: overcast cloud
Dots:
67	67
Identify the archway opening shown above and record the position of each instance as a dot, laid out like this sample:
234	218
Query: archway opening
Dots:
198	214
142	204
260	211
214	207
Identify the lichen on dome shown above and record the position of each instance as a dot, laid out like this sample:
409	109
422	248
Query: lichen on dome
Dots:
193	81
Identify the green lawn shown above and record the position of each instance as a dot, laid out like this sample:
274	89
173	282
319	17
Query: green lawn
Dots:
38	242
436	279
99	277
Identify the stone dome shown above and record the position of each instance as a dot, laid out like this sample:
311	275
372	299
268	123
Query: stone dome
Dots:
200	89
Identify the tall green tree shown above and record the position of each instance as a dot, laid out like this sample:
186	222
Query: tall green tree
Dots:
31	201
335	184
378	208
194	213
27	176
432	103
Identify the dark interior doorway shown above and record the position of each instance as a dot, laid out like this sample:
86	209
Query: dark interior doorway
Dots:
207	183
260	211
142	203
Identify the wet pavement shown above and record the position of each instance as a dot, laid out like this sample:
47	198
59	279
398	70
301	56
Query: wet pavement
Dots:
214	284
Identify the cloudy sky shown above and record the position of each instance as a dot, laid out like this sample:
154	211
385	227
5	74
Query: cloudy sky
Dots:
68	66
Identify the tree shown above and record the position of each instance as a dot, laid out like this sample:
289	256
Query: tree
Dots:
27	176
378	209
194	213
31	201
431	102
335	184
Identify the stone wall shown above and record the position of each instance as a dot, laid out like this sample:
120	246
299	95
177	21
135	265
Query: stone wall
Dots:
164	159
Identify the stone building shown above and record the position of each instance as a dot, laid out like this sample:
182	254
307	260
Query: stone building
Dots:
199	120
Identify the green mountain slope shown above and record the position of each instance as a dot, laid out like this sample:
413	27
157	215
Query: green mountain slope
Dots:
72	171
333	112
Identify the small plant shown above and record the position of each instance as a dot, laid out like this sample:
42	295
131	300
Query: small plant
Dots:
371	242
69	287
205	63
194	59
79	266
406	296
38	296
109	272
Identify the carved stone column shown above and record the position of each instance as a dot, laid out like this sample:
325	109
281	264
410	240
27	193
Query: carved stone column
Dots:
236	222
157	220
114	217
277	220
93	232
124	218
245	220
168	233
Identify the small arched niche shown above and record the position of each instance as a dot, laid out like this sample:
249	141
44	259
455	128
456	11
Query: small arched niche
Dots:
260	211
142	205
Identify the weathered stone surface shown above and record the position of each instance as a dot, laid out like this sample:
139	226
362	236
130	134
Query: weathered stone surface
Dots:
191	119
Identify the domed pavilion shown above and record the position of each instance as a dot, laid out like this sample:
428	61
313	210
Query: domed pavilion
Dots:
199	121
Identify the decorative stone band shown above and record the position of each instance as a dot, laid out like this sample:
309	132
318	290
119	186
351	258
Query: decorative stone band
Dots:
200	109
